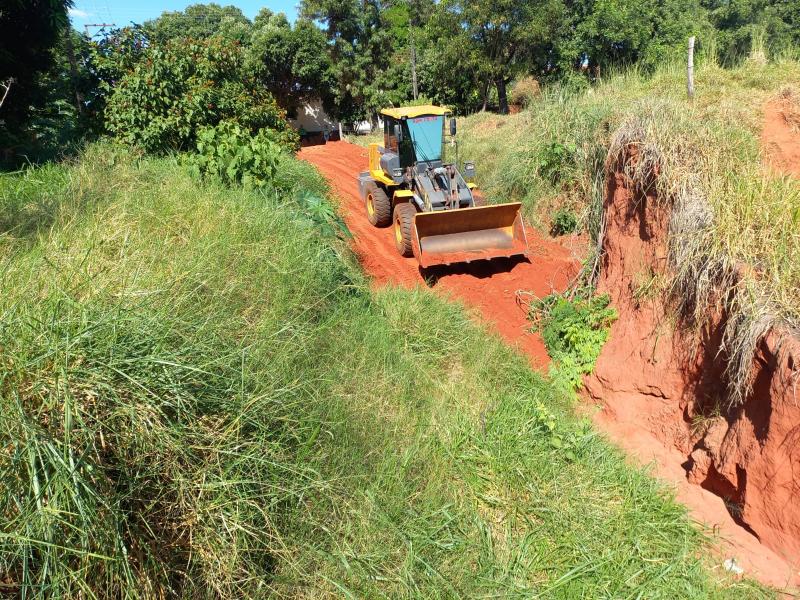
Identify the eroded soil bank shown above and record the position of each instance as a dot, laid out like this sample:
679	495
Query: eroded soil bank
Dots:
659	387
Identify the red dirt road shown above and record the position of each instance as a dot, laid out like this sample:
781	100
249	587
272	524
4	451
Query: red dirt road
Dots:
488	286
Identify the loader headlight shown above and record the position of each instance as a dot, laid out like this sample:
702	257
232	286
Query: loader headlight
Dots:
397	173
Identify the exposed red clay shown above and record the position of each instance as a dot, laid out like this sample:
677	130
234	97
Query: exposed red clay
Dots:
488	286
656	386
779	140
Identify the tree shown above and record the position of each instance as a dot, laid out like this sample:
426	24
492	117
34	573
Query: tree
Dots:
199	21
363	53
450	64
291	62
739	22
177	88
508	36
29	29
604	33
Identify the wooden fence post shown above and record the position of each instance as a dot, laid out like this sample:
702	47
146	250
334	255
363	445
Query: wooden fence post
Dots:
690	70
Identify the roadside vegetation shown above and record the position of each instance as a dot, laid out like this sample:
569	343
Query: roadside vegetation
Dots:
201	394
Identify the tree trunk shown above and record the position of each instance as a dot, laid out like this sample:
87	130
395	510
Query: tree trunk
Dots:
502	98
485	94
73	71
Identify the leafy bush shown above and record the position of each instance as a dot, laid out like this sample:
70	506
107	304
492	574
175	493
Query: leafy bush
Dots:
524	91
175	90
235	157
574	332
564	221
231	154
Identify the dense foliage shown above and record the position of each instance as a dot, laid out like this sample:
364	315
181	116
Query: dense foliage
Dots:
354	57
29	30
177	88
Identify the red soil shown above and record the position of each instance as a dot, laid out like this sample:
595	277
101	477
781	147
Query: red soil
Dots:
780	141
654	382
488	286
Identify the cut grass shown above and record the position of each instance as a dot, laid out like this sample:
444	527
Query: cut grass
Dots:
201	397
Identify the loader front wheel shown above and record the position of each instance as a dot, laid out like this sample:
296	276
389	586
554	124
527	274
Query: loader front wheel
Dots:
379	206
403	223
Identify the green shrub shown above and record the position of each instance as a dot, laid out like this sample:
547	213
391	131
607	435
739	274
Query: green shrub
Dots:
524	91
574	332
175	90
233	155
564	221
553	158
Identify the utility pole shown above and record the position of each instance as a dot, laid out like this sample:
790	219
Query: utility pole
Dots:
690	70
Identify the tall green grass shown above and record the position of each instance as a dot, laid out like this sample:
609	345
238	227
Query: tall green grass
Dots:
201	397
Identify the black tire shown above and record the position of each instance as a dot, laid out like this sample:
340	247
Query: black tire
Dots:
378	206
403	223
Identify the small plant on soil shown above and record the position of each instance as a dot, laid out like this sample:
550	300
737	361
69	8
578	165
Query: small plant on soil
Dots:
564	221
573	331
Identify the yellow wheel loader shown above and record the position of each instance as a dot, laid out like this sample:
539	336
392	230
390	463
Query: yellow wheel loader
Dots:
430	203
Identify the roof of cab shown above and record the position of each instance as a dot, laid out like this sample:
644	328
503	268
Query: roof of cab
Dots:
413	111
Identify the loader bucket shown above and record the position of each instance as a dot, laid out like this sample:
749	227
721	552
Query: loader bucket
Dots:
467	234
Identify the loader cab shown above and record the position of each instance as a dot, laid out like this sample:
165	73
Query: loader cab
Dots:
415	134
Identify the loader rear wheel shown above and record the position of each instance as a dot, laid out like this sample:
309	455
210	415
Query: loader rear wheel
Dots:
379	206
403	223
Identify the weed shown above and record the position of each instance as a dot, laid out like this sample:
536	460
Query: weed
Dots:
564	221
574	332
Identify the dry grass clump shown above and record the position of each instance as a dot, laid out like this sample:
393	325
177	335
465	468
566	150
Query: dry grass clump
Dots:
789	98
525	91
717	261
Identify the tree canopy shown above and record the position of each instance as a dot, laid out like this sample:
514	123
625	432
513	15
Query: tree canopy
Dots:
355	56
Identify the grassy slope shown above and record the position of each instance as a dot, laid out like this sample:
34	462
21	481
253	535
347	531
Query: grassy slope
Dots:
709	146
200	394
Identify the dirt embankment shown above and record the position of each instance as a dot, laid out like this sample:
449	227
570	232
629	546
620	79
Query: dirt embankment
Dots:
780	137
488	286
660	388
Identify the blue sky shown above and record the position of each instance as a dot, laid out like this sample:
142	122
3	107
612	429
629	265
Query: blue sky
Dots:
122	12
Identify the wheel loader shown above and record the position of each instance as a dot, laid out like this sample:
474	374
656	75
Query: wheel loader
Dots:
433	206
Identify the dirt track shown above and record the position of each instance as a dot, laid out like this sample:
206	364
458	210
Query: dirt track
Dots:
489	286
